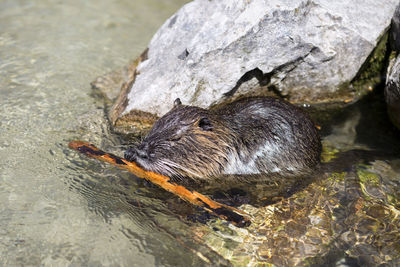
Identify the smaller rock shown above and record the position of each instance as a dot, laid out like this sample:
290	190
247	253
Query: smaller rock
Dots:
392	91
114	87
392	88
395	30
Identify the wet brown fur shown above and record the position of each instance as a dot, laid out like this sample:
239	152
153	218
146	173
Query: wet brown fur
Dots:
262	135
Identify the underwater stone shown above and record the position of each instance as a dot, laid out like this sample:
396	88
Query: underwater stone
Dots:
210	51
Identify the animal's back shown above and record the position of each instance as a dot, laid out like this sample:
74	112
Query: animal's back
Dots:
275	137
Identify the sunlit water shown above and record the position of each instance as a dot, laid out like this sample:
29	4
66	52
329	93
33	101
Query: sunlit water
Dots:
57	208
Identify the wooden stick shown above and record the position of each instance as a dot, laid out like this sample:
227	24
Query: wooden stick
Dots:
233	215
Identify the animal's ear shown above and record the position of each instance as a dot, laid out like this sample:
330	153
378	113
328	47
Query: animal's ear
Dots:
205	124
177	102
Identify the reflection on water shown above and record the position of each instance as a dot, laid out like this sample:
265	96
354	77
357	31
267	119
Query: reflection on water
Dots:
58	208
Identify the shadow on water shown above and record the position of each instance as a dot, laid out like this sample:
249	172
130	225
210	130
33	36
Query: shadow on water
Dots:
364	124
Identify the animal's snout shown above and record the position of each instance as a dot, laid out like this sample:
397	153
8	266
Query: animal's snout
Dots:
140	151
130	154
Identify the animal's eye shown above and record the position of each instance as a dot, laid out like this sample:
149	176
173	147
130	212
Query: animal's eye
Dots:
205	124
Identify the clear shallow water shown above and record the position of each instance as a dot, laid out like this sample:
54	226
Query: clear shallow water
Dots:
57	208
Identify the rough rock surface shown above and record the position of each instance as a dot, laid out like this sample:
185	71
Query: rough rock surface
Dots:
392	91
392	88
395	30
210	51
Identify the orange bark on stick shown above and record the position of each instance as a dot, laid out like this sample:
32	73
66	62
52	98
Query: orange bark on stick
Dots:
233	215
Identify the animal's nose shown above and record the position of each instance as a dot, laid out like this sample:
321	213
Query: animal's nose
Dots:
140	151
130	154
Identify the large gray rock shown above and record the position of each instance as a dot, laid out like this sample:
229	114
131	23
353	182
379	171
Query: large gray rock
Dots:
210	51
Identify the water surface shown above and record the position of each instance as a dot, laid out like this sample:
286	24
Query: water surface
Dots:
57	208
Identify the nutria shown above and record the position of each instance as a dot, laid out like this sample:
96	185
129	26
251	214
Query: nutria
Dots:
249	136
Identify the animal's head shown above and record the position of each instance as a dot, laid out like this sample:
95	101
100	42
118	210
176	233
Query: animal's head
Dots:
186	142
